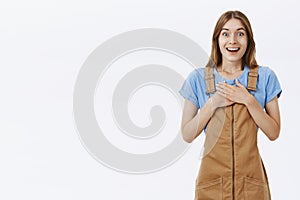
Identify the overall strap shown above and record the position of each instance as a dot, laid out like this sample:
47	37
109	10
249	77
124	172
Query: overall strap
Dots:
210	80
252	78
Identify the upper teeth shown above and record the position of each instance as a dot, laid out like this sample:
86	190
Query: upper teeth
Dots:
232	49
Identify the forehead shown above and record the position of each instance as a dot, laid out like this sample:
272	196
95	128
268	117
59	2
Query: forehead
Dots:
233	24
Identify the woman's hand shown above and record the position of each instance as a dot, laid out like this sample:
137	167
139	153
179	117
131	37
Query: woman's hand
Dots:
218	100
238	94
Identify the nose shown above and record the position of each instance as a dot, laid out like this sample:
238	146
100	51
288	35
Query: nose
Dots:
232	39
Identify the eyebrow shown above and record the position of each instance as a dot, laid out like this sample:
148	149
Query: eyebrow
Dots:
226	29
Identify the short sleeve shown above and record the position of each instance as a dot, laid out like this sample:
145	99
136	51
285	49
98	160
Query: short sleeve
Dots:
188	89
273	87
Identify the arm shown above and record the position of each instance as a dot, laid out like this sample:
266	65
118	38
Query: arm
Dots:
193	123
268	122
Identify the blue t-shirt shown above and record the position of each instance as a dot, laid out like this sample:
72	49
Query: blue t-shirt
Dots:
194	87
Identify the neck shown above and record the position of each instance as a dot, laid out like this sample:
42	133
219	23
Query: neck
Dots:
231	67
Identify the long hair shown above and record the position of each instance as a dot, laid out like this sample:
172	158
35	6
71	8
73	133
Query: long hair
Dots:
216	56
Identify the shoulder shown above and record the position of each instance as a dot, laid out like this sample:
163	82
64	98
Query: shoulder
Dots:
266	73
197	79
197	73
264	70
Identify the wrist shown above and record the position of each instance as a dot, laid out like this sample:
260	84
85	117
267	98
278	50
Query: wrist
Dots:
212	105
249	100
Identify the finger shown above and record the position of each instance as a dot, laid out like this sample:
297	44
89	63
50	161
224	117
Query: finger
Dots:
221	85
226	85
225	89
228	90
223	94
220	92
238	83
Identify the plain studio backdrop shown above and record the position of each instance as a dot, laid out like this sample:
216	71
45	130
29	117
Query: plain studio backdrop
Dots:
43	46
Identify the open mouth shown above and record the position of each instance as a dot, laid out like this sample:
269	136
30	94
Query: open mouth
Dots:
233	49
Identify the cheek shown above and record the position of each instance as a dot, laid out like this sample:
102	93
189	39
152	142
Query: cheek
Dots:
221	41
244	42
221	44
244	48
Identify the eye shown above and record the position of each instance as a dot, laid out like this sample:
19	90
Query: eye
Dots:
240	34
225	34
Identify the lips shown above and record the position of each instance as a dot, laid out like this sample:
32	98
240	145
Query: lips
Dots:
232	49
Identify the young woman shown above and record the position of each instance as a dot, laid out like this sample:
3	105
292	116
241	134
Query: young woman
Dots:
230	98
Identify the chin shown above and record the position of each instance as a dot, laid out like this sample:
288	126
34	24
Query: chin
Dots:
234	59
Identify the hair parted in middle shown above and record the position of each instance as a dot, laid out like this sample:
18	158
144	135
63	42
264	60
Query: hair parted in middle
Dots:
216	56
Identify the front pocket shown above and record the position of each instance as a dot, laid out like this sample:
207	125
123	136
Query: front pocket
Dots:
255	189
209	190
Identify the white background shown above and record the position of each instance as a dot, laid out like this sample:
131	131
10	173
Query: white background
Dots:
42	47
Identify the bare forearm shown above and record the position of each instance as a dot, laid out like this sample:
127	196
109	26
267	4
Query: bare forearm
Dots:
267	124
195	126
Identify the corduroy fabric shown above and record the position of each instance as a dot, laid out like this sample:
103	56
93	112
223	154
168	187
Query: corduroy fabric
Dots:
231	167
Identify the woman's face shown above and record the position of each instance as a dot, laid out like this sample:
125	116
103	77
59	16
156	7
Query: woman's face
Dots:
233	41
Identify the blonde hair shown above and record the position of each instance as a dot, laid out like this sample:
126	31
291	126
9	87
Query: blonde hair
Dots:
216	56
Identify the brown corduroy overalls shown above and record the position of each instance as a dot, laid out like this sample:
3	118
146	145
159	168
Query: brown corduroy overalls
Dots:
231	167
